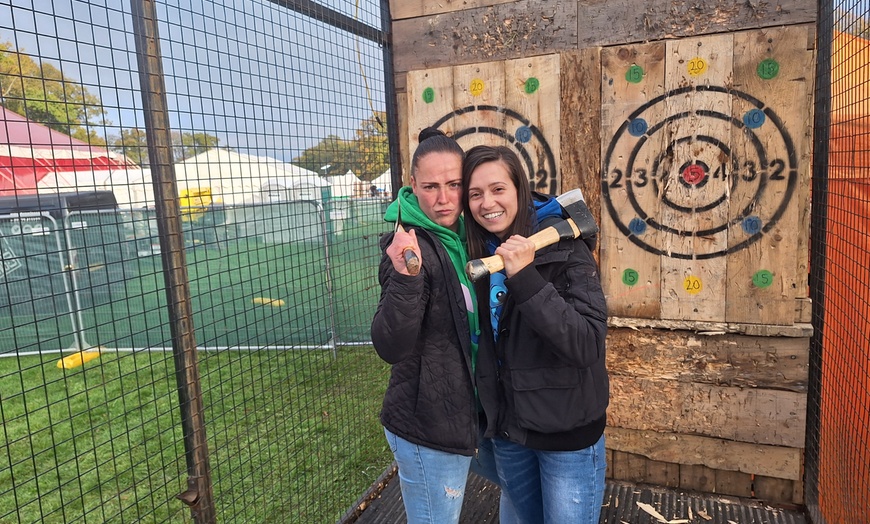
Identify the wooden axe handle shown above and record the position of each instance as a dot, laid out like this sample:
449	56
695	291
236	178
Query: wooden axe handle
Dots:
479	268
412	262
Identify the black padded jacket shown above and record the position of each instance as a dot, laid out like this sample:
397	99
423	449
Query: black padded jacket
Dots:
421	328
544	384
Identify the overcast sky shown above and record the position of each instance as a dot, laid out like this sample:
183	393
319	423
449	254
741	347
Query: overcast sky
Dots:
264	79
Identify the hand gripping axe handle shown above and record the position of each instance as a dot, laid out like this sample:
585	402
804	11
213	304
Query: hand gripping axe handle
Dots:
412	262
579	224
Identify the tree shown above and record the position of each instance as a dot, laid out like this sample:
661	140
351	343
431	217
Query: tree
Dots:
367	155
852	23
186	145
332	156
41	92
372	147
133	143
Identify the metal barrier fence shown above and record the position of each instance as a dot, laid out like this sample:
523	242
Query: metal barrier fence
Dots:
191	200
838	432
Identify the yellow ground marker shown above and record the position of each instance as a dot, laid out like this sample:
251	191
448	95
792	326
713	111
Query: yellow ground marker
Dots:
266	301
78	358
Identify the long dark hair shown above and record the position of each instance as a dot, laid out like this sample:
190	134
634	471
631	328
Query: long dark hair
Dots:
433	140
522	225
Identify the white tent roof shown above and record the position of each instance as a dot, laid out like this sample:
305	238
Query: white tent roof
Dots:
384	182
235	178
344	186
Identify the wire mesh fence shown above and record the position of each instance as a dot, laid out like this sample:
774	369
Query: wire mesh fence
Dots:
277	145
838	432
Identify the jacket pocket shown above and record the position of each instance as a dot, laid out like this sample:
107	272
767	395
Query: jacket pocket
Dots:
548	400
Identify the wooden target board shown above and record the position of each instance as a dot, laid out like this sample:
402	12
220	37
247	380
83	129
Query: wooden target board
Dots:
514	103
704	176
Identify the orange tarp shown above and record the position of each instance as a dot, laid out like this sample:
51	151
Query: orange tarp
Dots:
844	454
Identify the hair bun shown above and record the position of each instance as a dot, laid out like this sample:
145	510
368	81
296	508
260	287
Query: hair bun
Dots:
429	132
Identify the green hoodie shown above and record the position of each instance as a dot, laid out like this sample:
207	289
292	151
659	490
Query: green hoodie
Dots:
454	244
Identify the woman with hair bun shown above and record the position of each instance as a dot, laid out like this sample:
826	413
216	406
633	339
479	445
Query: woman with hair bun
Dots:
426	327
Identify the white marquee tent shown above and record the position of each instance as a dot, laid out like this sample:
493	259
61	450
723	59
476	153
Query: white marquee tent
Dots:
383	183
233	178
236	178
346	185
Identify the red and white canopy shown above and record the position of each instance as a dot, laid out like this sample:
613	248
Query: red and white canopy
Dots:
31	153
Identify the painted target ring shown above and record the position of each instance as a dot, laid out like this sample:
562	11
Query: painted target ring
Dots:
524	137
735	177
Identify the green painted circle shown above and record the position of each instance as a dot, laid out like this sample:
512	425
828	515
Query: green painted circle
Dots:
762	279
630	277
532	85
428	95
768	68
634	74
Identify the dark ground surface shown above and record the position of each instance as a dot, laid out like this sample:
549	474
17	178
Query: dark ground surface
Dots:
624	503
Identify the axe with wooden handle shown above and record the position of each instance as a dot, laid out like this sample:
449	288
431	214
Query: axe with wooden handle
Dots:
579	224
412	262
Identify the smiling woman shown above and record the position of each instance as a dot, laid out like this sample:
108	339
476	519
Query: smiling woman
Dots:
542	379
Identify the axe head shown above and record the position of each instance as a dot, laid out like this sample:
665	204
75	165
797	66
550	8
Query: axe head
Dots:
574	205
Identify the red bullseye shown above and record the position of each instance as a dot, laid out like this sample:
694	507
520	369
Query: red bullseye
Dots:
693	174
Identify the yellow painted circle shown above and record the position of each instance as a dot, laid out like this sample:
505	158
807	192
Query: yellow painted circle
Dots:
697	66
476	87
692	285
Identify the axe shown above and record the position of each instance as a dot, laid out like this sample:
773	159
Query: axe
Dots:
412	262
579	224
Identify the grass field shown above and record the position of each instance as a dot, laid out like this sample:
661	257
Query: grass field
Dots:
322	291
293	436
292	427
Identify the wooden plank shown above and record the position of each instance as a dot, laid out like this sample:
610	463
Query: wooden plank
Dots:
714	453
580	154
715	328
400	9
734	483
702	478
404	145
511	30
758	416
478	94
803	310
724	360
624	21
532	89
770	83
697	478
779	490
636	468
430	97
689	181
631	79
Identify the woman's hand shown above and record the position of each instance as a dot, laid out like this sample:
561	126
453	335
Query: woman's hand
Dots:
403	240
517	252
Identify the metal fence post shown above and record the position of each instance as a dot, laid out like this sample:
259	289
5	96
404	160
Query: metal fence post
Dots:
199	487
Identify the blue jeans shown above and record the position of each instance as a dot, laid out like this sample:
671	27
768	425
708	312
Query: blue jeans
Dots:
552	487
484	465
432	481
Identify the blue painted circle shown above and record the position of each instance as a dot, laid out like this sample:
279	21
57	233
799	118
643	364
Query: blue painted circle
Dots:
751	225
637	127
754	118
523	134
637	226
